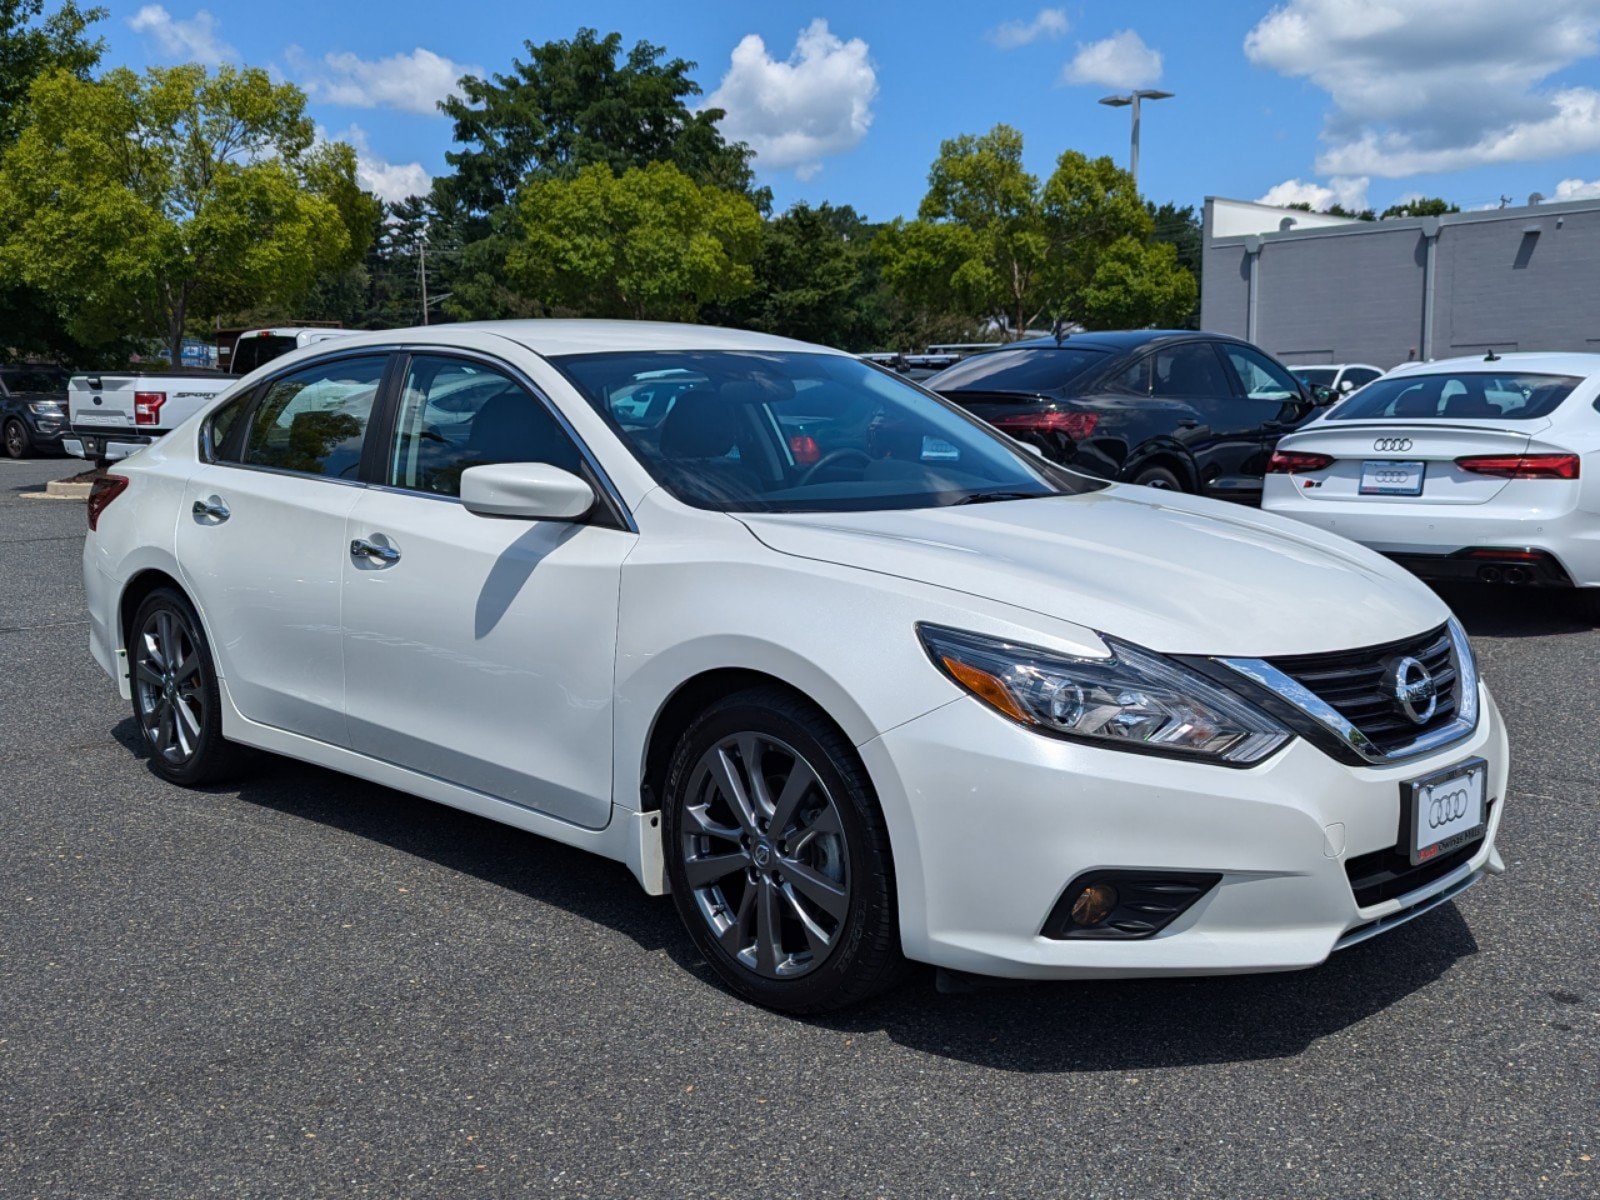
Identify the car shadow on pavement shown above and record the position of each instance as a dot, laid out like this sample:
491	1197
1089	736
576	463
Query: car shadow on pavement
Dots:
1121	1025
1507	612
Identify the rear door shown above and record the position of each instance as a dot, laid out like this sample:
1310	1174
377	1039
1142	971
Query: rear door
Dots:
261	541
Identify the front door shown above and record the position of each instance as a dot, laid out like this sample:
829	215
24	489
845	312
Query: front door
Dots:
1274	405
261	543
480	650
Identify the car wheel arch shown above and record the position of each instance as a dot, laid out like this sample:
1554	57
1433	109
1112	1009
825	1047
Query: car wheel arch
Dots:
1172	460
139	586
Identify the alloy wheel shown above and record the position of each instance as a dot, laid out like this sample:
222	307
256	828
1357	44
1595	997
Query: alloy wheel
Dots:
764	853
169	686
16	439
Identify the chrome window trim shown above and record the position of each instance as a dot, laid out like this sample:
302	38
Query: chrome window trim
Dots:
1301	697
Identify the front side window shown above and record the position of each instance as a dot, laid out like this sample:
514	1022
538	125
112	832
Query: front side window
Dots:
456	414
779	431
1321	375
1463	395
1261	378
313	421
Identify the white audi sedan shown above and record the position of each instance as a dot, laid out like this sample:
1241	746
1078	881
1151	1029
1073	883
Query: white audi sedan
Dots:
852	675
1469	469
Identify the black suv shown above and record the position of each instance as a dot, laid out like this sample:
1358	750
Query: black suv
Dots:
1193	412
33	408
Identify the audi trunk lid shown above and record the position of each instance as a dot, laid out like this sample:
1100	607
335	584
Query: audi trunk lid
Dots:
1354	445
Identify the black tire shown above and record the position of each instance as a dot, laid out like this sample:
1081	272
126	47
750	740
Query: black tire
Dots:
1159	478
852	869
177	704
17	443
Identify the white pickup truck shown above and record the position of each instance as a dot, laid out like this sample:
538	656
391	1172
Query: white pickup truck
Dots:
112	415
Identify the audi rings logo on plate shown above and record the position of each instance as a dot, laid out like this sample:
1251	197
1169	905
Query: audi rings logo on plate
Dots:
1392	444
1451	806
1389	476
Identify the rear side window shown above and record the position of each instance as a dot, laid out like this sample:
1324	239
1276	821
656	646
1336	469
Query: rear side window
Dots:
1465	395
1030	369
313	421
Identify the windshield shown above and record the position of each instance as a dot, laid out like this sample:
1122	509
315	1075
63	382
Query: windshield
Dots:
1309	375
1456	396
35	379
759	431
1030	369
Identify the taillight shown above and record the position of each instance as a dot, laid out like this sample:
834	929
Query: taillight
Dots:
1522	466
1288	462
147	407
103	491
805	449
1076	425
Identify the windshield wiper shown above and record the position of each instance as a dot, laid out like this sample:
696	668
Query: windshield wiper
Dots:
989	497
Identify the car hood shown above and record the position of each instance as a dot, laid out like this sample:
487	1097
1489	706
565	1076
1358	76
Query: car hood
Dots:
1176	574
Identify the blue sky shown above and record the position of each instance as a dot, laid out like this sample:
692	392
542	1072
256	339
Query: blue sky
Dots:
1360	101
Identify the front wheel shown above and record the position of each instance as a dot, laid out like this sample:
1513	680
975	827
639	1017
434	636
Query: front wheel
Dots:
778	856
1159	478
16	439
176	700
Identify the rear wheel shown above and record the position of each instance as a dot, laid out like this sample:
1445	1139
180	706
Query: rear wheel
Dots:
16	439
176	700
1159	478
778	856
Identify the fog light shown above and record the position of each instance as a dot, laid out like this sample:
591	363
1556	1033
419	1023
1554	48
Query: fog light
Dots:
1094	904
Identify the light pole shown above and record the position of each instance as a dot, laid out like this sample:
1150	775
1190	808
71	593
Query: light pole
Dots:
1132	99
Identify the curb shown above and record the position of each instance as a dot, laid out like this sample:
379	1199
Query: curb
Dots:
58	489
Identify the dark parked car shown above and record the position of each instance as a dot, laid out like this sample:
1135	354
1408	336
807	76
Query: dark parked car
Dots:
1193	412
33	408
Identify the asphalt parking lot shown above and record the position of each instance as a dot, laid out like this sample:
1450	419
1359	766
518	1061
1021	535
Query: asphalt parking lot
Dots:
306	985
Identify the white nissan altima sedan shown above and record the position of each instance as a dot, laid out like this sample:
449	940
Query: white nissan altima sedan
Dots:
854	677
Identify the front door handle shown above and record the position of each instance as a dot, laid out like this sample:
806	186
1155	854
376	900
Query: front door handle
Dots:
374	552
212	507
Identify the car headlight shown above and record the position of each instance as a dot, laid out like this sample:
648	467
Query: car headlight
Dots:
46	408
1131	700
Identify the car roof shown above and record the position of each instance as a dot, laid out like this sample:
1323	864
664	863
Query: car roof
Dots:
555	337
1547	362
1117	339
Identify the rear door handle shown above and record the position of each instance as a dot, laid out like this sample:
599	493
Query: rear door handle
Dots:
212	507
374	552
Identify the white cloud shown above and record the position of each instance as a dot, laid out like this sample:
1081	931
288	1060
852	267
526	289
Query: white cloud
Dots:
414	82
1438	85
797	111
194	40
1120	61
1350	194
387	180
1046	23
1577	189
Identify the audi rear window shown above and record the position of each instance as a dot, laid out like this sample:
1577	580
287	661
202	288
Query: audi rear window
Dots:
1029	369
1459	396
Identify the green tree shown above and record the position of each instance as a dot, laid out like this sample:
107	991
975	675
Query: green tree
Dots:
1137	284
572	105
991	242
33	43
1422	206
141	203
650	242
1180	227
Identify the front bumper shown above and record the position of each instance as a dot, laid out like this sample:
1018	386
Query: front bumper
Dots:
990	822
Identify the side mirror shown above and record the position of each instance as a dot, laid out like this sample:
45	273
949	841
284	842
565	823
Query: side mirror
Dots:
532	491
1322	395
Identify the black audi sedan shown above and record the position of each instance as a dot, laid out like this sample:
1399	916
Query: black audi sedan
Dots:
1192	412
33	408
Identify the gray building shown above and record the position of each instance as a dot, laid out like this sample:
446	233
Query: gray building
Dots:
1313	289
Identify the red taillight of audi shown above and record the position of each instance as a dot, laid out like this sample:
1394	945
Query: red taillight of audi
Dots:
103	491
1076	425
1292	462
1522	466
147	407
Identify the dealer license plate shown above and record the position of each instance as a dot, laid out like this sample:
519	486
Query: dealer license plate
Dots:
1447	809
1381	477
